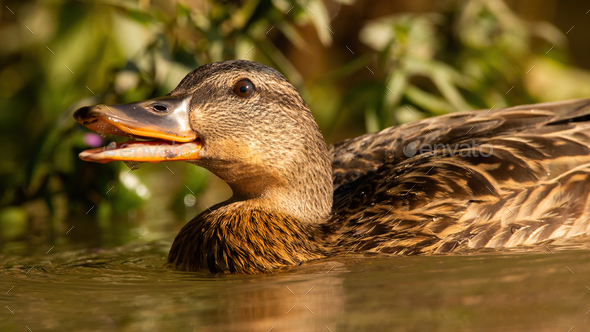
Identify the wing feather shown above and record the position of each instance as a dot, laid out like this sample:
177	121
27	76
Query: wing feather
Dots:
533	186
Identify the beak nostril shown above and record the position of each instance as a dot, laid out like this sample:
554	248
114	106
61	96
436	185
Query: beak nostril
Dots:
82	113
160	108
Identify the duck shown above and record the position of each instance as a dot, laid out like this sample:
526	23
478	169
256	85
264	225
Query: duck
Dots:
498	178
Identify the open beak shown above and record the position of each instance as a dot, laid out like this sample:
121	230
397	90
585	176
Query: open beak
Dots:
159	130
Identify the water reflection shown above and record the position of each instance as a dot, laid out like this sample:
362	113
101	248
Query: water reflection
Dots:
128	288
289	302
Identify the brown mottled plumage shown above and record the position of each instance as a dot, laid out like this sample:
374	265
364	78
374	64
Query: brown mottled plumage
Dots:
244	239
534	187
295	199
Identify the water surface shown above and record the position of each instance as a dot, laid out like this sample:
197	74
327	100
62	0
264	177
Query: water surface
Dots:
129	289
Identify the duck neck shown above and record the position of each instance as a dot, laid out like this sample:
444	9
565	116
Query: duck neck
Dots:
306	195
298	184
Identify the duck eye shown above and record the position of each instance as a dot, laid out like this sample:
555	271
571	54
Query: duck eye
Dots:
244	88
159	108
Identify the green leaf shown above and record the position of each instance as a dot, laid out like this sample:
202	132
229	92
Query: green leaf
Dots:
291	33
319	18
428	101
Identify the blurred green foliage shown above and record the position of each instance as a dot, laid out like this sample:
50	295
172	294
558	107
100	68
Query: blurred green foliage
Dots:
58	56
467	56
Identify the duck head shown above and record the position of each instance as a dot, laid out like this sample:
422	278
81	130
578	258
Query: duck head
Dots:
242	121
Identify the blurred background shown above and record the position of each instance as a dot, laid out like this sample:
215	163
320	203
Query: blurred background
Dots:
360	65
